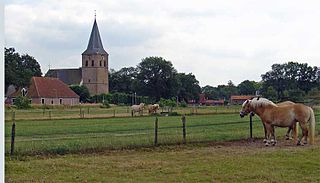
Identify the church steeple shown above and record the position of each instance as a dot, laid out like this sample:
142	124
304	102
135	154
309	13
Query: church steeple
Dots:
95	64
95	44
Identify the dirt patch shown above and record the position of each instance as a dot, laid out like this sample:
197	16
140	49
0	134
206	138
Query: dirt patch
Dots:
257	142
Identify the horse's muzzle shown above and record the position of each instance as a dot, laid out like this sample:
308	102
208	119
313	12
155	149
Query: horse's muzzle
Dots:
242	114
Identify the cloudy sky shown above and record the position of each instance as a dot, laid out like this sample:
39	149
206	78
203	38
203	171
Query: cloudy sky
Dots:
217	41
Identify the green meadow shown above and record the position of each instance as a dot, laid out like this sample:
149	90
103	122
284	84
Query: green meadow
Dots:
122	149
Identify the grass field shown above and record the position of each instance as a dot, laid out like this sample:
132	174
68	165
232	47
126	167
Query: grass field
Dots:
239	162
122	150
90	111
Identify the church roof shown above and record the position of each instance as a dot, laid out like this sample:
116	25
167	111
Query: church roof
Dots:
68	76
95	44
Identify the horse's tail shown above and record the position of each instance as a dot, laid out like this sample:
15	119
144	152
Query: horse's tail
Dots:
312	126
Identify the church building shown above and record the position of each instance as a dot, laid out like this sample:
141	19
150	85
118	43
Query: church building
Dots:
94	71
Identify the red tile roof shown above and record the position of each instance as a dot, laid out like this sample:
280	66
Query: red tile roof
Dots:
49	87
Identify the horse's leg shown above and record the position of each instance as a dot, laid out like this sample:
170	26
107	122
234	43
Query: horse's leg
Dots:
265	133
273	137
268	128
288	133
304	138
295	133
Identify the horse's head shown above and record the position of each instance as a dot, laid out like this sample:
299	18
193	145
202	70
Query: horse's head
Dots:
246	108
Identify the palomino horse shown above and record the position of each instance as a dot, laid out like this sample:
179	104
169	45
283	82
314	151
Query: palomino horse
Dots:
153	108
294	126
282	116
137	108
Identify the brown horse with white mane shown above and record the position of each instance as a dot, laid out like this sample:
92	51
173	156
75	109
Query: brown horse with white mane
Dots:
282	116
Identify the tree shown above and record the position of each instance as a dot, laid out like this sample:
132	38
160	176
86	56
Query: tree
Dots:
247	87
82	91
122	80
290	76
156	78
188	87
22	102
20	68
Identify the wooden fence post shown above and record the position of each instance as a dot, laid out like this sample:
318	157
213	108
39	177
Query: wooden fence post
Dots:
156	132
251	114
184	133
50	114
13	132
88	110
114	112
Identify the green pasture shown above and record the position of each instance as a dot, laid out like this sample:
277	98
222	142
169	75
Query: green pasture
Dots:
121	149
187	163
94	135
87	111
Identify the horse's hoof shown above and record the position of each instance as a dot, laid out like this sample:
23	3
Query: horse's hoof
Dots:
266	144
264	141
298	143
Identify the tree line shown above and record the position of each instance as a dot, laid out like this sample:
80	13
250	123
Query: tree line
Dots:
155	78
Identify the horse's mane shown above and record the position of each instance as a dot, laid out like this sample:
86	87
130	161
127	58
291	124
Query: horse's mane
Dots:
257	102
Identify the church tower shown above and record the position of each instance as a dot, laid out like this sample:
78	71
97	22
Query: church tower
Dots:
95	64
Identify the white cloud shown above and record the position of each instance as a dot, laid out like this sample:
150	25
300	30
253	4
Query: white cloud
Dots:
215	40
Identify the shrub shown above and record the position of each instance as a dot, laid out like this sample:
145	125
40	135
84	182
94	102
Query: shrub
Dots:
183	104
105	104
22	102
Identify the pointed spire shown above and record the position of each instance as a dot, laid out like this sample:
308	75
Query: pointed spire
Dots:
95	44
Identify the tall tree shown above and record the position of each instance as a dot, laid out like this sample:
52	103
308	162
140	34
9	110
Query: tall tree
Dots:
188	87
20	68
247	87
156	78
290	76
122	80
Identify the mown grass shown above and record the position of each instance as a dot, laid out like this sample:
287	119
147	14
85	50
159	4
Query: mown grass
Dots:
97	112
81	135
190	163
94	135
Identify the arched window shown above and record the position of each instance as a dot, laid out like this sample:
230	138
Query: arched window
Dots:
86	63
92	63
105	63
100	63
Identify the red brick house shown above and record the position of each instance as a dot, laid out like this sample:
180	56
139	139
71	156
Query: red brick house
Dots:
239	99
48	91
204	101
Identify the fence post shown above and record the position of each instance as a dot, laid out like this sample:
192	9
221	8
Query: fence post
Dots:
88	110
13	132
156	132
50	114
43	111
183	119
251	114
114	112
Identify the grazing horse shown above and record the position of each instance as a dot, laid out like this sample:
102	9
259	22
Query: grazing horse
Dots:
153	108
137	108
282	116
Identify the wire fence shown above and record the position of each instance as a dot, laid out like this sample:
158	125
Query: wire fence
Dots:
96	112
60	136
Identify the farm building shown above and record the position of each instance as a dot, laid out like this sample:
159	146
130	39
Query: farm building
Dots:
204	101
48	91
239	99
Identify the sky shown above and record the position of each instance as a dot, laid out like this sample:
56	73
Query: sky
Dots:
216	40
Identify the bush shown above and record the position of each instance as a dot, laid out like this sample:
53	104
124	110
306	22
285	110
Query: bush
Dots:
105	104
22	102
183	104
